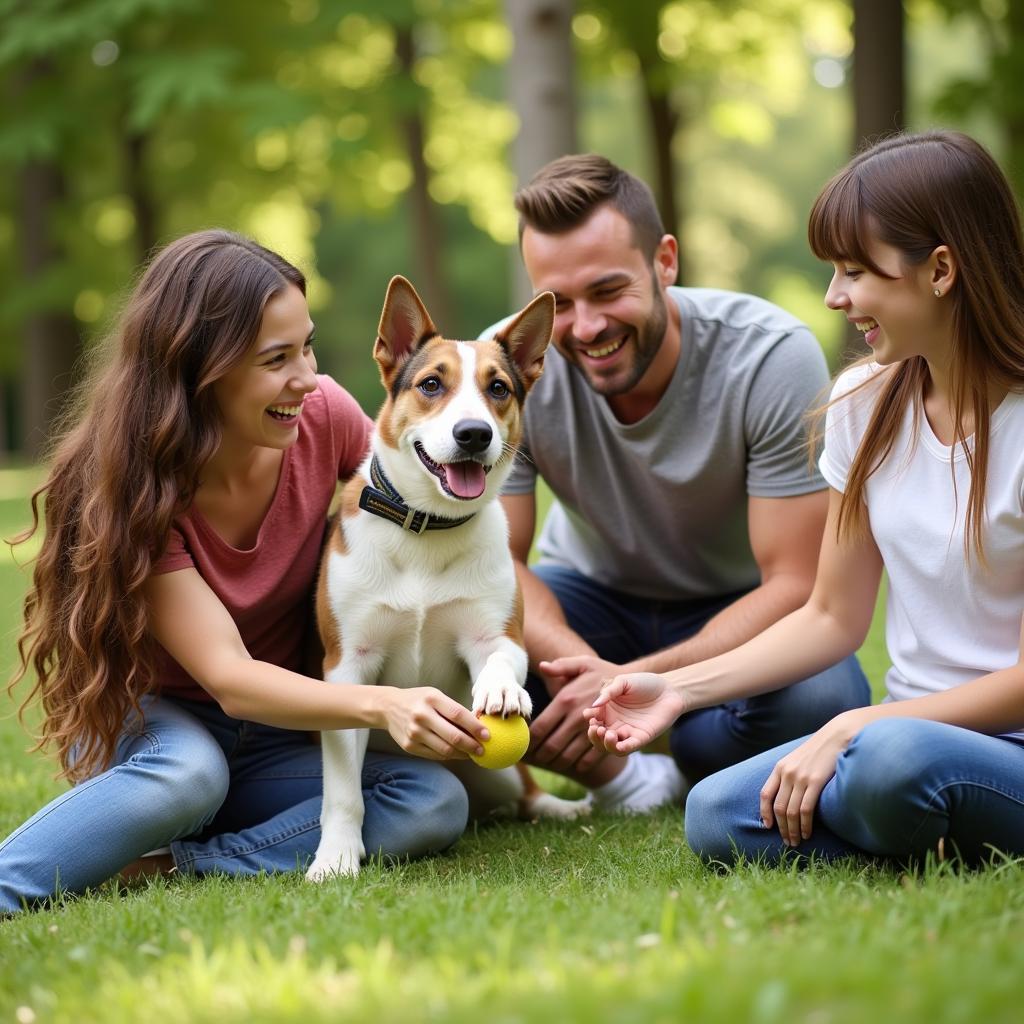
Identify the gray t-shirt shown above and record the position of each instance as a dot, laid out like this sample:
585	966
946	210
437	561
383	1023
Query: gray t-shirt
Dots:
658	508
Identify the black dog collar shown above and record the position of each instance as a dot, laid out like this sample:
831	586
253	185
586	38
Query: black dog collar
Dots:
381	498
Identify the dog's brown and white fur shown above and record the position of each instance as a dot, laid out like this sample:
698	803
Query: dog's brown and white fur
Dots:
441	607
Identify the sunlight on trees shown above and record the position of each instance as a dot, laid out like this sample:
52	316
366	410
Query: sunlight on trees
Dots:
368	137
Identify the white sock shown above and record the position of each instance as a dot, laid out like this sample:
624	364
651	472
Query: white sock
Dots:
648	781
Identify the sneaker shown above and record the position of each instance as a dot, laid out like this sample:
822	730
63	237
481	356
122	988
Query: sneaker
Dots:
647	782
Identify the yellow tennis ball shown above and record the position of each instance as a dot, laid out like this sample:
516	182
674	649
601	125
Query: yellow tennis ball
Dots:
509	739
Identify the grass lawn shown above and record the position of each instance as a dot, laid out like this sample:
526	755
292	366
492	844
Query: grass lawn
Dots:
611	919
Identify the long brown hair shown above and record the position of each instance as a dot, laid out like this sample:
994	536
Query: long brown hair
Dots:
916	192
126	462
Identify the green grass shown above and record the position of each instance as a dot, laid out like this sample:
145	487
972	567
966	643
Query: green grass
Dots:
611	919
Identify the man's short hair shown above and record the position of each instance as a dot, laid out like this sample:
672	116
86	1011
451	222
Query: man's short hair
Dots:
565	192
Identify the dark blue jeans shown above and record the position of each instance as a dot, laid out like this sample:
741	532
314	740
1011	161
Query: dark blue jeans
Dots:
621	627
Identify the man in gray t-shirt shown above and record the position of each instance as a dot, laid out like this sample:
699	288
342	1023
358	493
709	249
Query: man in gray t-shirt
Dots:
669	425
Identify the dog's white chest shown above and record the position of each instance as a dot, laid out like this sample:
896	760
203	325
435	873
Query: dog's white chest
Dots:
408	607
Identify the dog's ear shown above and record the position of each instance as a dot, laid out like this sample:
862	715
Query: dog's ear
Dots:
404	325
526	336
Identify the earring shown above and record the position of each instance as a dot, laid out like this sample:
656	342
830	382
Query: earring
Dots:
938	294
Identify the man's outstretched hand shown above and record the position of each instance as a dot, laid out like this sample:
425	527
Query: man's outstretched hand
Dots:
559	733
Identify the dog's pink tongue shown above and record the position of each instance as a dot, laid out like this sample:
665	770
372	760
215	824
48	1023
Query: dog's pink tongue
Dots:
465	479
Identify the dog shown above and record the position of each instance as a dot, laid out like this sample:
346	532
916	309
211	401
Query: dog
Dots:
417	584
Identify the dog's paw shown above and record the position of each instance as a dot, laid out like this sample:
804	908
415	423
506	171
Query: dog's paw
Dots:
345	864
336	858
503	699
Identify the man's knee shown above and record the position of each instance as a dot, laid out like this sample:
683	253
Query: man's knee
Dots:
803	707
844	685
597	613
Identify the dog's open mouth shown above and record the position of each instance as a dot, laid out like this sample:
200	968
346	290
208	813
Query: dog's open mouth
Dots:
464	480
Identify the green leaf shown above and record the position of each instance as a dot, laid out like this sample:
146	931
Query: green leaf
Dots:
181	81
47	27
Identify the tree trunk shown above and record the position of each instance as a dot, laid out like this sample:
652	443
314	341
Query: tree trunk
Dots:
638	23
5	436
541	87
879	96
641	27
51	335
51	339
147	235
879	92
1014	119
664	121
427	230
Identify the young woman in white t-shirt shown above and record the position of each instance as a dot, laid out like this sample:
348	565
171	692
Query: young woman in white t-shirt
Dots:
923	451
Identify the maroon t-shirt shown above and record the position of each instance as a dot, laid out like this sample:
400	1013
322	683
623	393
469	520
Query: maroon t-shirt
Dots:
267	589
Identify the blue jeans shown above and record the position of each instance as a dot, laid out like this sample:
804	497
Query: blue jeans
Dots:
621	627
901	786
227	796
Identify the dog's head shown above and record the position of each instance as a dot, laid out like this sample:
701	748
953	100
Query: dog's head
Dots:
449	428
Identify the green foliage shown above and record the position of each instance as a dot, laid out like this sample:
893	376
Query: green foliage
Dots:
167	80
45	28
277	119
756	135
987	91
288	120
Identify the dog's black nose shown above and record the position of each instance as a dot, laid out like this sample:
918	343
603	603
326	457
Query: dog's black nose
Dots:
472	436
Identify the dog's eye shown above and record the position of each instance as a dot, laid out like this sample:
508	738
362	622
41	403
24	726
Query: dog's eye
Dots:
499	389
430	386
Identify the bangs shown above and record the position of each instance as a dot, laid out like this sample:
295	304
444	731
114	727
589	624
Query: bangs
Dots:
838	229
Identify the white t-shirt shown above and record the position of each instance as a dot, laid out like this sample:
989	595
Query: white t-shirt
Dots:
949	620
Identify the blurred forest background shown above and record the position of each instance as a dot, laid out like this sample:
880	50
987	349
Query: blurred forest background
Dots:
364	139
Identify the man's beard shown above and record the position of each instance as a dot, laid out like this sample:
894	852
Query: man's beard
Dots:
646	339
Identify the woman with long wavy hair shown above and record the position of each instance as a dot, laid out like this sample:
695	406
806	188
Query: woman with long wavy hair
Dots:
923	452
171	601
